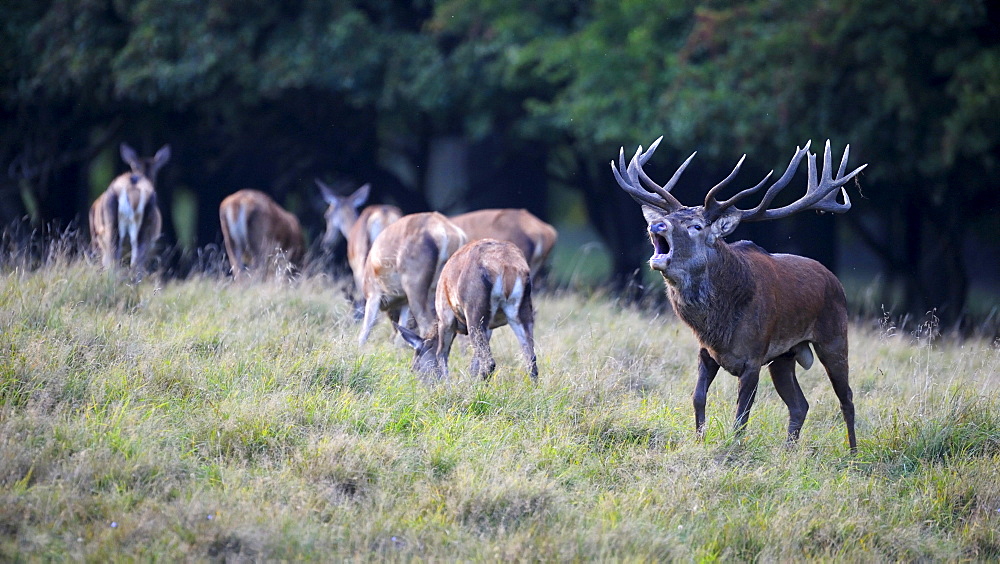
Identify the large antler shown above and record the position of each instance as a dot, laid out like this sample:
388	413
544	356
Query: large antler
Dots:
821	193
630	180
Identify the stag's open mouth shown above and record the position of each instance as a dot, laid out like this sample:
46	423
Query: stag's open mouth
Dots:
661	252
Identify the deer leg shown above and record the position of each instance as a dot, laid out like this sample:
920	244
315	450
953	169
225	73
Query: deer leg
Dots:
234	263
119	247
707	370
417	287
522	322
526	340
483	364
446	336
108	252
834	359
747	393
371	316
783	375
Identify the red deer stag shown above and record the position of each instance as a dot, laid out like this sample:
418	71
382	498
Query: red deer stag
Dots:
486	284
343	220
257	230
402	270
127	213
532	236
747	307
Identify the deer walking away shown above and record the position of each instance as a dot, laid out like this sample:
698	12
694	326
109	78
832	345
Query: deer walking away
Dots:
126	216
747	307
257	231
402	270
485	285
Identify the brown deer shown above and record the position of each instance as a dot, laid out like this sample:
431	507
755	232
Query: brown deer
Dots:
402	270
532	236
486	284
343	220
747	307
257	231
127	212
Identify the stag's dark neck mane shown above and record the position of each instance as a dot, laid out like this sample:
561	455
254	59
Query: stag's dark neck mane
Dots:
714	302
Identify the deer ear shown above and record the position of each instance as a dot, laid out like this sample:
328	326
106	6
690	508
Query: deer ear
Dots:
128	155
651	214
328	196
723	226
409	336
159	159
162	156
360	196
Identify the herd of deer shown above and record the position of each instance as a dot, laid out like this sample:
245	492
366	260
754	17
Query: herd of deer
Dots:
436	276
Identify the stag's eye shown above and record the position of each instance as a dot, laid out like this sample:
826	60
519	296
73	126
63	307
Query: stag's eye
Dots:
695	227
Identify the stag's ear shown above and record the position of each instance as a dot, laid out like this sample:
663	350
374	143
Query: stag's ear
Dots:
652	214
723	226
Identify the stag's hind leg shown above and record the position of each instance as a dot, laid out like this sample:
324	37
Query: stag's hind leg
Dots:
783	375
833	356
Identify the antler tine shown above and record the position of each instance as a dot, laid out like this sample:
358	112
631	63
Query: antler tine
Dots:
632	177
713	207
642	158
725	181
641	196
635	173
822	189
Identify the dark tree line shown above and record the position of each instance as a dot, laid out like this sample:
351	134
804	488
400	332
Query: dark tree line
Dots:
460	104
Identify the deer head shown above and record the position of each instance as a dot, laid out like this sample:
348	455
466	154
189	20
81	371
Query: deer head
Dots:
341	211
145	166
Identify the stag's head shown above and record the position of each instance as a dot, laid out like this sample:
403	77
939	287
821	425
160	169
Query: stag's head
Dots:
341	212
684	237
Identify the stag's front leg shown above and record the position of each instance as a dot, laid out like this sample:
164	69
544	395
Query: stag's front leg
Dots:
707	370
747	392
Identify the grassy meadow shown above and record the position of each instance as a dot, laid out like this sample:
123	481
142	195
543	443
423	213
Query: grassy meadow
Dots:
208	420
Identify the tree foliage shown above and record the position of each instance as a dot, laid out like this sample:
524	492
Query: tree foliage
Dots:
270	94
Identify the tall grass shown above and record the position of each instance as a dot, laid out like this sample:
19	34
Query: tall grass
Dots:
203	419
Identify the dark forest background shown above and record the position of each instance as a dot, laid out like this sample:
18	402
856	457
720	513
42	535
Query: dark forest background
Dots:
460	104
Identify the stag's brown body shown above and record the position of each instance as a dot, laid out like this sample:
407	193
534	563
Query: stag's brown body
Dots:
486	284
257	231
747	307
532	236
751	306
126	215
402	269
